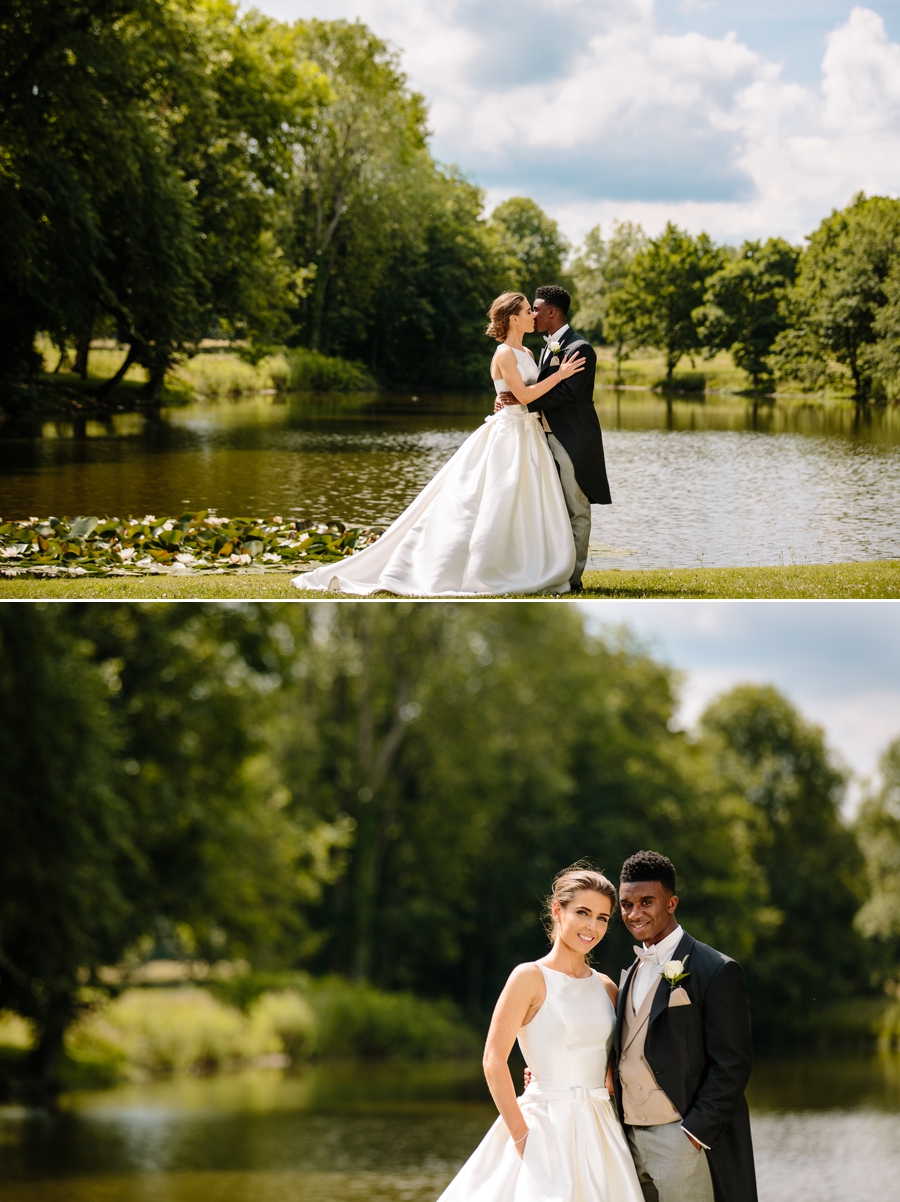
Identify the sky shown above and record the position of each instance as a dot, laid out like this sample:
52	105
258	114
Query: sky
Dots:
743	119
837	661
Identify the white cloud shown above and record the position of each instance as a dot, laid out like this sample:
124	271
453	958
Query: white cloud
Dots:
838	662
597	111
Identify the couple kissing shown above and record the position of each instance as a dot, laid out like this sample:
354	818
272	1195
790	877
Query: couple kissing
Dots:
633	1093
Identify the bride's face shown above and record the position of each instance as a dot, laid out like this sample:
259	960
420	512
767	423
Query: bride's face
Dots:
523	321
584	921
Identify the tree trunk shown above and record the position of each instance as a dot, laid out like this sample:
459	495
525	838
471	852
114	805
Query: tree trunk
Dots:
106	388
156	381
45	1061
82	350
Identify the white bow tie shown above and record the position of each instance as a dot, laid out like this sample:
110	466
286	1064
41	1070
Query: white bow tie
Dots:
647	955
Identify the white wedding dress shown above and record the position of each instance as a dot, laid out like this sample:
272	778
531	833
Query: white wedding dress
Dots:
492	521
576	1150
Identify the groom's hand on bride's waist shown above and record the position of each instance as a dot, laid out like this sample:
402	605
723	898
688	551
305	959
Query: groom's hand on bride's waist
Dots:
504	399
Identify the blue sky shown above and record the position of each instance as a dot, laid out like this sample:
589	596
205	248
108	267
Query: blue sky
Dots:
741	119
838	661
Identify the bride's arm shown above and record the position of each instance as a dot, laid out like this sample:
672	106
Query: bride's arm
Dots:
522	993
526	393
613	992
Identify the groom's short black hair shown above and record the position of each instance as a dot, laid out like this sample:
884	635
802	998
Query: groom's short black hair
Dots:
649	866
555	296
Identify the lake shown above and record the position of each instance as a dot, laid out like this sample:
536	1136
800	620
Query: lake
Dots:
717	482
826	1130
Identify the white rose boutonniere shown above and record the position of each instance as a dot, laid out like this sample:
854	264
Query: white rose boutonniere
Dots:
555	349
673	972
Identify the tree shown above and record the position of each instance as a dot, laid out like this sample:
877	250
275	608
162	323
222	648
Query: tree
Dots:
66	833
840	289
144	142
878	828
533	243
448	738
371	128
664	286
598	272
743	307
138	803
770	756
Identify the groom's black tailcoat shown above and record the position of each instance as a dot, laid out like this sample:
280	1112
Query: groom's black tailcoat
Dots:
701	1055
573	419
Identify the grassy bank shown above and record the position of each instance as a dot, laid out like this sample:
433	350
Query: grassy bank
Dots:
211	374
147	1032
647	369
880	579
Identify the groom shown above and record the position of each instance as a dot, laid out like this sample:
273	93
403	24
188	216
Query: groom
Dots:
569	419
681	1051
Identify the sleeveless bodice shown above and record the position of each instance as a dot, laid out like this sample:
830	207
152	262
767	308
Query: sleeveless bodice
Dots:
527	370
567	1042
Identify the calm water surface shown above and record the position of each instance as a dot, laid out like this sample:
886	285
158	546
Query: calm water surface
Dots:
716	482
825	1131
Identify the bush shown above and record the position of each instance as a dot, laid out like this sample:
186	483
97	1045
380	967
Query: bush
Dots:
209	375
689	381
358	1021
283	1020
164	1030
308	371
152	1031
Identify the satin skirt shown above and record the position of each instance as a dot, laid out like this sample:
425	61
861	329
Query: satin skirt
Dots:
576	1152
492	521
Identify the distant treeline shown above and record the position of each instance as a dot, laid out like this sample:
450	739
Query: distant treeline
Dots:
385	793
173	170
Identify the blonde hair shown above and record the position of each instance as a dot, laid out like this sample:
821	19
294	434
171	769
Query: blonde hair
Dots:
578	877
503	308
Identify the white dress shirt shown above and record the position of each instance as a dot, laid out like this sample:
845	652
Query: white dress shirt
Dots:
648	971
556	336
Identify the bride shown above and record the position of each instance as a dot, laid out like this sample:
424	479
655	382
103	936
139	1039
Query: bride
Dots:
494	519
561	1141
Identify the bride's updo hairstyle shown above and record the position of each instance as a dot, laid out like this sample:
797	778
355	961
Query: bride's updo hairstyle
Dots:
503	308
580	876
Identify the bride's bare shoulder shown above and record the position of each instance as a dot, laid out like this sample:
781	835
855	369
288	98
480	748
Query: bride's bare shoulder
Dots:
525	978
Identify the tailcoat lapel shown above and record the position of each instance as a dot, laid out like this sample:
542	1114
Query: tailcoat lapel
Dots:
661	998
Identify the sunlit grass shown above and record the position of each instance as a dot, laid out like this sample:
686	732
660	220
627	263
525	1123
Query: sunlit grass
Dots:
879	579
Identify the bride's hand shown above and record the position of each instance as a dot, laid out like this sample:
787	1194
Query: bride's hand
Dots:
570	365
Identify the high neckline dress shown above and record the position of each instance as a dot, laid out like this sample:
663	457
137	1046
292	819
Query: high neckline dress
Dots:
576	1149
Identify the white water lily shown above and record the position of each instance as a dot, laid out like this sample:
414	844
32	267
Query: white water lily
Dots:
126	553
270	557
185	558
15	549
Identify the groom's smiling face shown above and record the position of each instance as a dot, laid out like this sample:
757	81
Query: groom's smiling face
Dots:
648	909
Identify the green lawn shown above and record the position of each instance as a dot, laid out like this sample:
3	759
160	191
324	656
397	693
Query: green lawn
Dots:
880	579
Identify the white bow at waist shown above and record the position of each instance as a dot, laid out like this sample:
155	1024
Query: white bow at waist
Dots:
575	1093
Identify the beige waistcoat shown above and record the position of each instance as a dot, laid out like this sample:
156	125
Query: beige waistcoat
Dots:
644	1104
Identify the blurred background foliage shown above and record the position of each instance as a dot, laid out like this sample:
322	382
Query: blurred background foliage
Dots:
362	807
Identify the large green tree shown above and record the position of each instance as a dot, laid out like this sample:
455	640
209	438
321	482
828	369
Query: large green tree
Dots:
664	286
475	751
840	289
533	242
773	758
743	308
598	272
138	801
